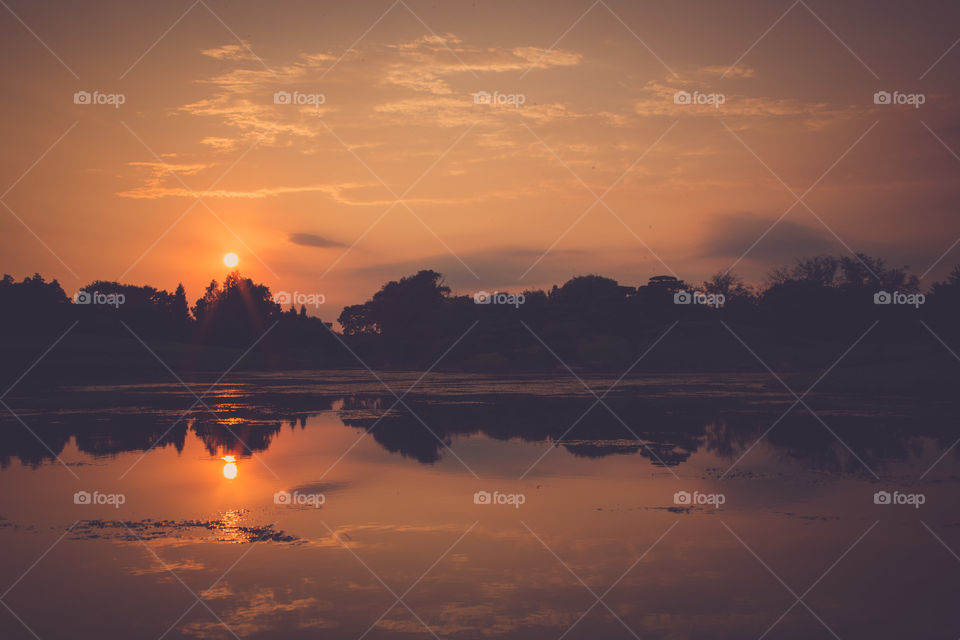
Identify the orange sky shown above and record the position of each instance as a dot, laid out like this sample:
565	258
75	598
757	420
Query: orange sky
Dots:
494	196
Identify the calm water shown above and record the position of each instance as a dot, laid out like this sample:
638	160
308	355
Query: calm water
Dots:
203	546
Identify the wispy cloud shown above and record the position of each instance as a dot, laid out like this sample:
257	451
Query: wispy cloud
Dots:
658	99
417	78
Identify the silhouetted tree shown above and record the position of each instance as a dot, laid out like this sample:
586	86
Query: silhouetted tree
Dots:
943	308
237	313
409	315
180	309
819	271
740	300
148	311
591	321
33	305
356	320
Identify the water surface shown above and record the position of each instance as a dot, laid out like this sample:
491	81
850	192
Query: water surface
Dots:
399	548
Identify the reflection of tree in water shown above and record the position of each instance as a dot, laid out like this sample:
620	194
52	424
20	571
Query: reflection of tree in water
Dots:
595	450
112	434
800	436
398	431
235	437
673	429
17	442
297	420
660	454
876	440
131	433
94	435
668	435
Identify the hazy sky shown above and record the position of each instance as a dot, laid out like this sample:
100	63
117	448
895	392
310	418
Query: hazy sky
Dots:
496	196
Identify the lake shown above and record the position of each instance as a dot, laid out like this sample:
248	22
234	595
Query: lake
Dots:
339	505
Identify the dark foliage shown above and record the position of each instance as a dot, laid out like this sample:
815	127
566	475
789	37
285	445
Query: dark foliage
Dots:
590	321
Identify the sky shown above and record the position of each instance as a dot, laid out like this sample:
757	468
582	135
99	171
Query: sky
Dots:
629	139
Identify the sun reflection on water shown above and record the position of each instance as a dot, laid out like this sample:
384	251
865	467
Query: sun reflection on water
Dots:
229	467
232	529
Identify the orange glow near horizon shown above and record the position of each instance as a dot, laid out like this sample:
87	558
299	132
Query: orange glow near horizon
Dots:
308	147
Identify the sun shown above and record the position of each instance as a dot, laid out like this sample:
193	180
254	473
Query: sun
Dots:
231	260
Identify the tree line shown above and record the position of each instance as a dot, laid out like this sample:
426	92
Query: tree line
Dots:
232	313
589	321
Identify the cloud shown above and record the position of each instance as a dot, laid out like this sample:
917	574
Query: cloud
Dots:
153	190
658	99
221	144
160	169
160	184
159	172
738	71
230	52
313	240
729	235
255	119
403	79
338	193
428	63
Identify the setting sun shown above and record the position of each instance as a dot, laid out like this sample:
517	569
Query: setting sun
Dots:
231	259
